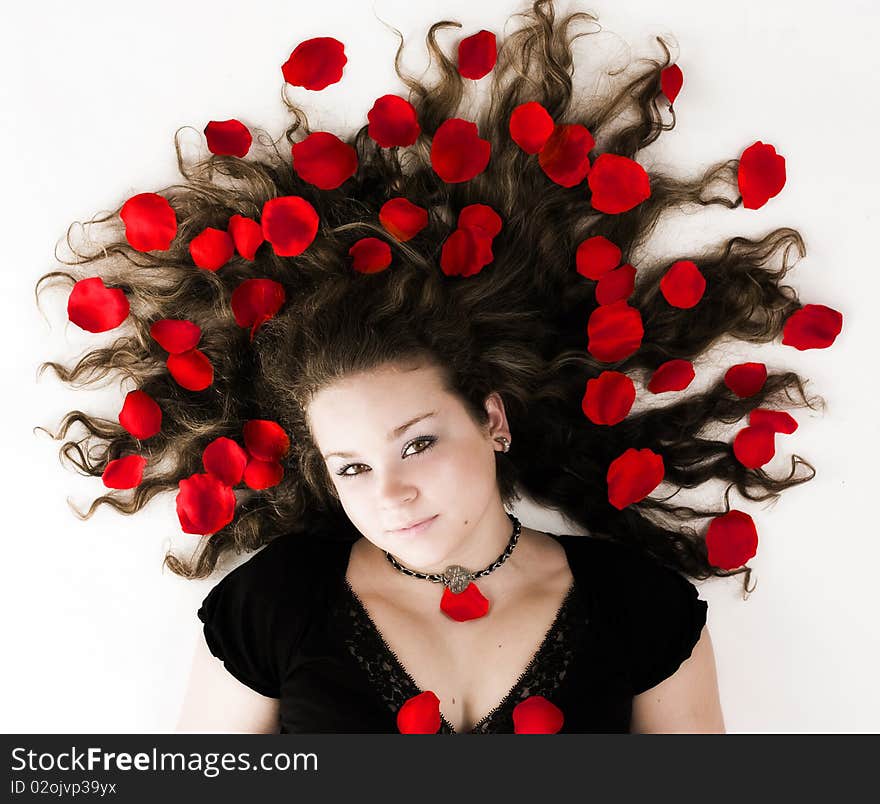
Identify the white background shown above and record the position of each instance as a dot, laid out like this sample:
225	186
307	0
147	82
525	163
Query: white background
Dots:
98	639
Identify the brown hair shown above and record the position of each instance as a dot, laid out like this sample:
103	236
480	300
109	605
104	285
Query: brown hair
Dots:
518	327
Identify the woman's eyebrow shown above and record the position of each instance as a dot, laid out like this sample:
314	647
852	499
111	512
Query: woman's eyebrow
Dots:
395	433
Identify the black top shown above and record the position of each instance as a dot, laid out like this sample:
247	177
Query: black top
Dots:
286	623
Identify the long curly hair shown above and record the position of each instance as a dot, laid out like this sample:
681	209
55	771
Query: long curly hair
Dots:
517	327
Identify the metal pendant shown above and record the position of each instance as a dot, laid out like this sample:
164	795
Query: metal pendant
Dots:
457	578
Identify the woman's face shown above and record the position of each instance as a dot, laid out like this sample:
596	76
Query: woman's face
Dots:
442	465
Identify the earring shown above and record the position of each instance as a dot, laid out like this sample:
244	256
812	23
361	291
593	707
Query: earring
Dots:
505	442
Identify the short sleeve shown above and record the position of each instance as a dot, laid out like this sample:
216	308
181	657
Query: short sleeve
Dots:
664	618
244	626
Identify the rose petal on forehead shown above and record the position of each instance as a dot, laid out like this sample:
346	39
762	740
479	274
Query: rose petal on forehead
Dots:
204	504
140	415
617	183
633	476
265	439
760	174
754	446
191	369
732	539
225	459
175	335
813	326
779	421
530	126
608	398
615	331
259	475
94	307
228	137
290	224
673	375
671	80
596	256
247	235
746	379
370	255
481	216
393	122
150	222
683	285
565	156
402	219
124	473
315	63
477	55
324	160
616	285
457	152
211	248
537	715
255	301
419	714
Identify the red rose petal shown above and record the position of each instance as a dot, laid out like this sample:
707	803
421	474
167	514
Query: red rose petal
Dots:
683	285
324	160
226	460
94	307
402	219
204	504
732	540
673	375
537	715
191	369
419	714
466	251
608	398
633	476
247	235
671	80
746	379
777	420
393	122
481	216
457	152
596	256
617	183
260	475
211	248
814	326
124	473
760	175
290	224
175	335
754	446
565	156
370	255
255	301
150	222
467	605
531	126
228	137
477	55
140	415
616	285
615	331
265	439
315	63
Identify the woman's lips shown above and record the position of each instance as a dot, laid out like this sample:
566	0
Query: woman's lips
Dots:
416	528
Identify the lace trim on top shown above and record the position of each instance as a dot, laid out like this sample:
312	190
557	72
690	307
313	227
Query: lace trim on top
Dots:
542	676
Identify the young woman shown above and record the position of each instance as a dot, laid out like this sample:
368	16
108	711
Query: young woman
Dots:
359	358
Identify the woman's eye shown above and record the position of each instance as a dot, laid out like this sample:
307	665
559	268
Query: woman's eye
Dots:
430	439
